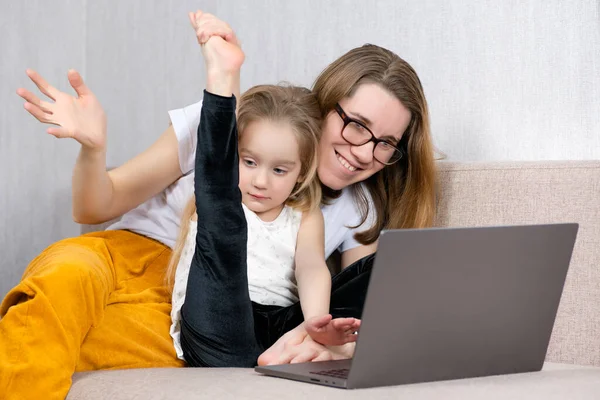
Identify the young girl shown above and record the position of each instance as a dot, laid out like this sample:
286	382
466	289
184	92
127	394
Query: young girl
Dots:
273	232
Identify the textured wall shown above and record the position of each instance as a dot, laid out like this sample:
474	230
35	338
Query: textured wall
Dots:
506	80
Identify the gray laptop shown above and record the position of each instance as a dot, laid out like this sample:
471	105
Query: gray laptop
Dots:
453	303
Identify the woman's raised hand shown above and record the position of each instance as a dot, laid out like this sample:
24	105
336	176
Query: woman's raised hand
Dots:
81	118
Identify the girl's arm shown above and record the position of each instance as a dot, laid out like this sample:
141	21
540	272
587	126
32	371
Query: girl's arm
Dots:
312	275
314	285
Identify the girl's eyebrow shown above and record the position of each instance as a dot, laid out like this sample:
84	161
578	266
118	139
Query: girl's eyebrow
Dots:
288	163
285	162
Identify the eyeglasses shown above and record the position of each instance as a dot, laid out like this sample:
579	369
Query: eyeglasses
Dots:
358	134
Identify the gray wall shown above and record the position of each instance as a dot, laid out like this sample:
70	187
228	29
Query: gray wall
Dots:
505	80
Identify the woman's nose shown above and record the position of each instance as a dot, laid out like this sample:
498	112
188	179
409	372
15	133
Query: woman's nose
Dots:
364	153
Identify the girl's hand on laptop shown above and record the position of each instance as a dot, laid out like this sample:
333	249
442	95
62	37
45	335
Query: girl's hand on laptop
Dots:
79	117
332	332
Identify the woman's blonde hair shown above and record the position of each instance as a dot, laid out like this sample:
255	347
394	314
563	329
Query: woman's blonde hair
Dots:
403	194
293	105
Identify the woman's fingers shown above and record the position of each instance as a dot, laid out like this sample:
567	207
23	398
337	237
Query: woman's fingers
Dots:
38	113
59	132
324	356
305	356
207	25
208	30
232	38
41	83
294	346
77	83
33	99
284	358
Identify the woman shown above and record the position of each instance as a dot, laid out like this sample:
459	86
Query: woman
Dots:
100	301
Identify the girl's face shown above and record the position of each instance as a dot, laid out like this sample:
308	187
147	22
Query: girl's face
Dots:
342	164
269	166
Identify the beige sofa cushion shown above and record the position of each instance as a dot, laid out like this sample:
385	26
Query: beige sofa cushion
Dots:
554	382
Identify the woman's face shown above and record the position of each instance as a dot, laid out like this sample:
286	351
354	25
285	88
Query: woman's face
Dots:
342	164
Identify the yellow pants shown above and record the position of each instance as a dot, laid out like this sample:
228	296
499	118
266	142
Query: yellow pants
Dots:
97	301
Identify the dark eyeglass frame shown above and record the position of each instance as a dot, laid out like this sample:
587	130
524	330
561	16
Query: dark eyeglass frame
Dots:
347	120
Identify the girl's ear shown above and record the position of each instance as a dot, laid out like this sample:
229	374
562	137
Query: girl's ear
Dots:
297	186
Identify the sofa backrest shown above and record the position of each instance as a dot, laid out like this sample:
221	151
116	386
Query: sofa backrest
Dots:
484	194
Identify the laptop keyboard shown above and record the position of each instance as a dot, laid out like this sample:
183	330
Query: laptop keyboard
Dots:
336	373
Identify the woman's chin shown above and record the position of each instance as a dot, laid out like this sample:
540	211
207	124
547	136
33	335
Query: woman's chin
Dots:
337	177
331	181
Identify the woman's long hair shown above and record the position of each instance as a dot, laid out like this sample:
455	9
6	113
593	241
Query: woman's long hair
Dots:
403	194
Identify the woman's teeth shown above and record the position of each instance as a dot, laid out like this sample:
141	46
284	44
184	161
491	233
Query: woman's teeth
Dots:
345	163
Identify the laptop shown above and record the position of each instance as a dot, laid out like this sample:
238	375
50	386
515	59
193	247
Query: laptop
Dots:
451	303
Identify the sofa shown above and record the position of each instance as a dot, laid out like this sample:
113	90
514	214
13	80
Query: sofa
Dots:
470	194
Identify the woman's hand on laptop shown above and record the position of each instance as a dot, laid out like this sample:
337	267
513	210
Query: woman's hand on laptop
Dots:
297	346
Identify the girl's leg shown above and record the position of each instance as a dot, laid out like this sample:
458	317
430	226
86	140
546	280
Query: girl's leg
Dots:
217	324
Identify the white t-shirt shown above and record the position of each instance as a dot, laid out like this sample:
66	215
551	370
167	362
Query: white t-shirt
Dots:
160	216
271	251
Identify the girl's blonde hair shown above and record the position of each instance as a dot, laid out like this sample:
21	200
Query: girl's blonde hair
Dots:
403	194
293	105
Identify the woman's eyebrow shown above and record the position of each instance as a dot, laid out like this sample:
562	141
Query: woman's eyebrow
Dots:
360	118
392	139
366	121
